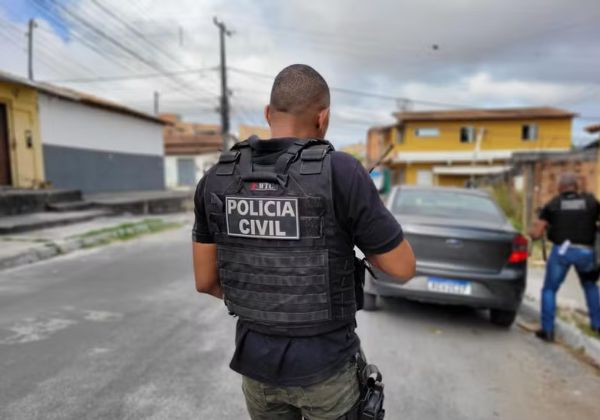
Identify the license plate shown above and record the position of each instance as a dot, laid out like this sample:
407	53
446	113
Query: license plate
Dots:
450	286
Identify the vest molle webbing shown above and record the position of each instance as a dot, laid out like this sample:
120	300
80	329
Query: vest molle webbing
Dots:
275	229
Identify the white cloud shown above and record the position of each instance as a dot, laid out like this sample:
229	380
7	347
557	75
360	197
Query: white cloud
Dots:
490	53
482	87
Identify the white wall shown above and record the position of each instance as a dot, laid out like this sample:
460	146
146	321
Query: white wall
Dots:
203	163
71	124
171	171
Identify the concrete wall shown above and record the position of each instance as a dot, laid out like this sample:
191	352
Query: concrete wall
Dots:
100	171
95	150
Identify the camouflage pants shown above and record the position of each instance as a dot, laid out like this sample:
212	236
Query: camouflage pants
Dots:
327	400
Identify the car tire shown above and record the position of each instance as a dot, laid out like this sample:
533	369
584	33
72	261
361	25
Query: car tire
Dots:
502	317
370	302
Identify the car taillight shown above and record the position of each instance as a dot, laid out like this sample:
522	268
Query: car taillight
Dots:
519	250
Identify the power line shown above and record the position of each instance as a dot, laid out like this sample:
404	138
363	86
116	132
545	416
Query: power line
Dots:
48	14
133	76
140	35
118	44
357	92
133	30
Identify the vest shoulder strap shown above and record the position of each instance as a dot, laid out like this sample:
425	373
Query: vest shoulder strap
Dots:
292	153
312	158
229	158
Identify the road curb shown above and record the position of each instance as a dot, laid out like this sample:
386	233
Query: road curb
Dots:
571	335
50	249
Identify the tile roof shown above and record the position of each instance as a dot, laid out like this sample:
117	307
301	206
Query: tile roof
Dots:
484	114
594	128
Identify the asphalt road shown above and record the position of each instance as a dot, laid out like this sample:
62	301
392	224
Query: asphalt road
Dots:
120	333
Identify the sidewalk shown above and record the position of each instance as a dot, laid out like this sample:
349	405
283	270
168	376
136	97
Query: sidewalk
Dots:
28	247
572	324
570	296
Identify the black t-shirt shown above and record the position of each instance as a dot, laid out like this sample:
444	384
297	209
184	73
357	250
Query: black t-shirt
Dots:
303	361
572	216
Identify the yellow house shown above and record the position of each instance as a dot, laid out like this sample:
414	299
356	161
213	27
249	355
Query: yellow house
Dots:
51	136
451	148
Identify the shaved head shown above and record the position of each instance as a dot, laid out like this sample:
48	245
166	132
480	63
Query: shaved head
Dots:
568	182
299	89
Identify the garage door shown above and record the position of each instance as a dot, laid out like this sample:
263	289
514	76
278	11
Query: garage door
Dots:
186	172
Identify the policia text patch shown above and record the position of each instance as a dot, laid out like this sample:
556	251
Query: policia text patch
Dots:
266	218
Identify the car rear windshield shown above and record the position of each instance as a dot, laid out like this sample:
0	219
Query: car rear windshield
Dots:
447	204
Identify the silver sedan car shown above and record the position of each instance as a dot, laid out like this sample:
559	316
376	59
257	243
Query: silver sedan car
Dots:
467	251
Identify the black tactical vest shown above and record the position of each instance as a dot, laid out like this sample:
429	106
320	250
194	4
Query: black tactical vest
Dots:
574	218
275	229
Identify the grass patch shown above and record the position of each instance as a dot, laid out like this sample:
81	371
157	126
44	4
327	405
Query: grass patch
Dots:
511	203
124	232
581	321
24	239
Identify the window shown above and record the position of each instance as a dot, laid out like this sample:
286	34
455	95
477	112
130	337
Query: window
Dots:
427	132
467	134
446	205
529	132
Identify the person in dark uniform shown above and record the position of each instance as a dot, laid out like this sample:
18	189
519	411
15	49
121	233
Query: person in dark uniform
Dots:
276	224
571	220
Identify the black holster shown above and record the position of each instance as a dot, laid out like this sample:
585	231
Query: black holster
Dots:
370	403
360	265
359	282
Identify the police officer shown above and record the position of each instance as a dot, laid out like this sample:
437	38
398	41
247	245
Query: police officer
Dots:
570	219
276	224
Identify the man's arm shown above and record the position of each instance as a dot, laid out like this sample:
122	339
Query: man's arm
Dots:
399	263
205	269
204	250
536	231
374	229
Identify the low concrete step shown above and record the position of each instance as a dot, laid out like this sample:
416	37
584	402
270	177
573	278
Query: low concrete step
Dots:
36	221
69	206
144	202
15	201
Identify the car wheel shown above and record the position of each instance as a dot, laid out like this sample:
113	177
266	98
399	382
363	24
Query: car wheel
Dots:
502	317
370	302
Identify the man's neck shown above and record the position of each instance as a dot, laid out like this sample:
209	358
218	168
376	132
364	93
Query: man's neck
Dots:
291	128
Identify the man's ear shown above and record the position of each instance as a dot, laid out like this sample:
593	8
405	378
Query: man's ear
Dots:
268	114
323	122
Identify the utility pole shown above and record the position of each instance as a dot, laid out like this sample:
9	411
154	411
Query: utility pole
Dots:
156	99
224	108
32	25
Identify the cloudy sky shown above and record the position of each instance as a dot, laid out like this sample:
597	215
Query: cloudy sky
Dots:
378	56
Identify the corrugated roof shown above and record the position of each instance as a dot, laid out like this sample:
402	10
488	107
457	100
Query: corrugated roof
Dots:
80	97
484	114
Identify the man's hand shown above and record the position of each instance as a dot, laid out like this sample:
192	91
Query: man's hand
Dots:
537	229
399	262
205	269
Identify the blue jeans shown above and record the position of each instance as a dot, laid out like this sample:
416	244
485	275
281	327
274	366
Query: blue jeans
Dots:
584	261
